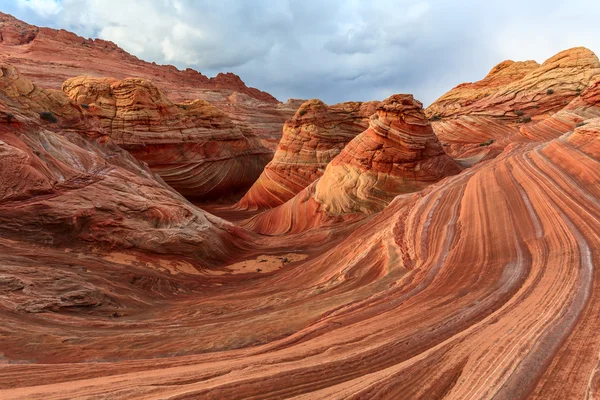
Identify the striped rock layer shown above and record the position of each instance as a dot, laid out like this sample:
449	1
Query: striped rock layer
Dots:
477	120
310	140
193	146
482	286
64	182
397	154
48	57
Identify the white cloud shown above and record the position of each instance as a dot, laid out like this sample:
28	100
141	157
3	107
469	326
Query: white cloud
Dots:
43	8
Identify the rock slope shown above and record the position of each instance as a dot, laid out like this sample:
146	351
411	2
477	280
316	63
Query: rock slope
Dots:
397	154
477	120
64	182
49	57
475	283
484	283
193	146
310	140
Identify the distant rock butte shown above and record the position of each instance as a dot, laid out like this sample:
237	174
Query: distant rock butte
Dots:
311	139
514	87
193	146
471	116
397	154
48	57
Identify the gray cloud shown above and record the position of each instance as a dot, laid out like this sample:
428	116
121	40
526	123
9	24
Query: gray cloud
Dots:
336	50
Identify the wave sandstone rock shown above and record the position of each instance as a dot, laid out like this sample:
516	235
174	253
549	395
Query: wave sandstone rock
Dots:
193	146
501	253
311	139
524	86
64	183
425	279
397	154
477	120
48	57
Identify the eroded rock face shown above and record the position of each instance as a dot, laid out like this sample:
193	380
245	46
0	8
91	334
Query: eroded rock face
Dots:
193	146
49	57
476	121
583	107
502	253
311	139
64	183
528	87
397	154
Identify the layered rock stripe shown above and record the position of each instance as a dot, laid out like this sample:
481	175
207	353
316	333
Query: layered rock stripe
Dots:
437	285
397	154
193	146
422	279
471	116
49	57
310	140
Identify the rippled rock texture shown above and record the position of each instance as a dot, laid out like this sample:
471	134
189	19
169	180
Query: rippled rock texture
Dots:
422	279
397	154
193	146
311	139
48	57
65	182
484	283
477	120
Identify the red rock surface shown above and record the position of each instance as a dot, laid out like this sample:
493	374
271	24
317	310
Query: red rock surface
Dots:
483	284
311	139
523	86
48	57
513	95
397	154
193	146
65	183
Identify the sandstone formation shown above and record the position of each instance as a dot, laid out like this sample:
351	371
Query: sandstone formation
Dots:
65	183
397	154
48	57
193	146
311	139
523	86
583	107
484	283
424	279
477	120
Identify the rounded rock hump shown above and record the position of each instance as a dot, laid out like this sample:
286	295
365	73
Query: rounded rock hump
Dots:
195	147
526	86
399	153
476	121
311	139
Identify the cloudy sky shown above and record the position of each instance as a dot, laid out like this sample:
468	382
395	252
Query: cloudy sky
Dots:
335	50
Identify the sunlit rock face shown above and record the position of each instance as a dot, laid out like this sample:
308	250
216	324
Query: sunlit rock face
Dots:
311	139
196	148
397	154
475	121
